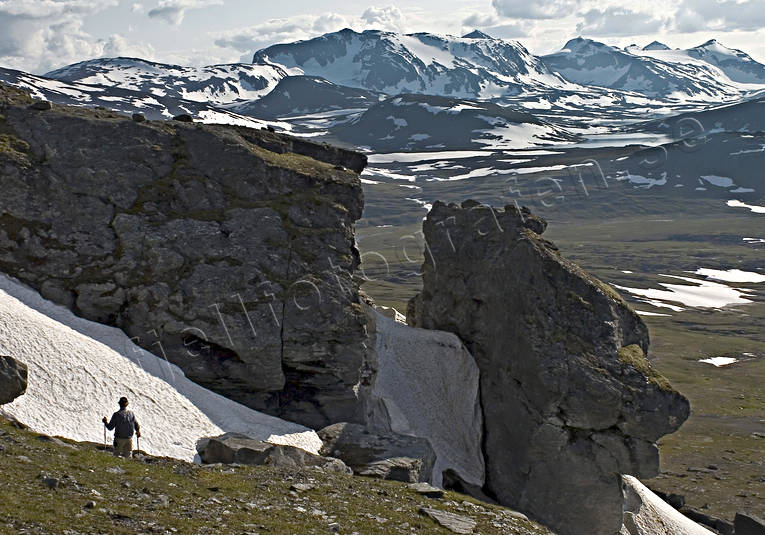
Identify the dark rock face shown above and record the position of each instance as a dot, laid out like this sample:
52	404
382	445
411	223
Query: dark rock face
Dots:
748	524
13	379
569	400
228	251
393	456
241	449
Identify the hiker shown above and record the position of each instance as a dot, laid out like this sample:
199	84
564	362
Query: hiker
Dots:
123	422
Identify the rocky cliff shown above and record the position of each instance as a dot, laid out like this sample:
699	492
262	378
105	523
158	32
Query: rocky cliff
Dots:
569	400
228	251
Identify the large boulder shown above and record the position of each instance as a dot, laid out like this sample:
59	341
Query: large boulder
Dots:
425	384
241	449
389	456
228	251
569	400
13	379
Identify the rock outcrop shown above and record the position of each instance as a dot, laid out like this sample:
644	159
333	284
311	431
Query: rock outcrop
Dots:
13	379
569	400
242	449
226	250
425	384
389	456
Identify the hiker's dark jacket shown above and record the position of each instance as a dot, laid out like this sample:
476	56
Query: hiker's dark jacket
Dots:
124	422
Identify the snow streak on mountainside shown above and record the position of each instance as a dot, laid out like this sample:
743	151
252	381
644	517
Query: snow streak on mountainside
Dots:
655	71
474	66
428	122
214	85
78	369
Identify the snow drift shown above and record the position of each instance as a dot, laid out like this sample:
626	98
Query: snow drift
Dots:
647	514
78	370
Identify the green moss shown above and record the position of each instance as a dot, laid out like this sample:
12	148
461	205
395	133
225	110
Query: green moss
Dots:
303	165
16	149
632	355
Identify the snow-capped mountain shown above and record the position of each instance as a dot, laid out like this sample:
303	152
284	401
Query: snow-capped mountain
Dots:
656	45
214	85
429	122
125	101
653	71
737	65
474	66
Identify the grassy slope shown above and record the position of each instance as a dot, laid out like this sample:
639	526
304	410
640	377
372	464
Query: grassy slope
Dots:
168	496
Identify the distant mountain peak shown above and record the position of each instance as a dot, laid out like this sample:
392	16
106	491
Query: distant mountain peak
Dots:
581	44
656	45
476	34
388	62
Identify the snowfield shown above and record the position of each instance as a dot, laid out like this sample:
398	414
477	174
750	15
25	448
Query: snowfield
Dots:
78	370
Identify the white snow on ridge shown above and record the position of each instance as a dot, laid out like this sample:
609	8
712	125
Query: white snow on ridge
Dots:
78	370
719	181
213	84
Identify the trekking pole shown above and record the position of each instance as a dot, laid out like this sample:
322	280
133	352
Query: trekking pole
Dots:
104	437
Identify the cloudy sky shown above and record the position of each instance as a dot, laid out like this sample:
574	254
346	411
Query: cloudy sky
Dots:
40	35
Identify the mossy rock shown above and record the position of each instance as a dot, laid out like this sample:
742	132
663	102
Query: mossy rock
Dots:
632	355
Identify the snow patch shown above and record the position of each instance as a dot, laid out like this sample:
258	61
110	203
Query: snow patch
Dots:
731	275
719	361
753	207
78	370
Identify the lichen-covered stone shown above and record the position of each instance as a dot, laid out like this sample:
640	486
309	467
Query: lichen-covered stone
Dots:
228	251
569	400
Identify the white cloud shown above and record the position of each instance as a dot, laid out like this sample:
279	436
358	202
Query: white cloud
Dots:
384	18
45	9
116	46
495	26
38	35
619	21
535	9
248	40
721	15
173	11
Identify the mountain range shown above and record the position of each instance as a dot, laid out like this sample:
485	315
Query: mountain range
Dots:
474	66
706	72
344	85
